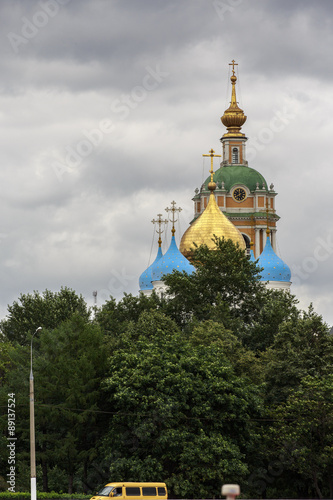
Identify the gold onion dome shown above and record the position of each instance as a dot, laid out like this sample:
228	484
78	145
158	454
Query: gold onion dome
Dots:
233	117
212	222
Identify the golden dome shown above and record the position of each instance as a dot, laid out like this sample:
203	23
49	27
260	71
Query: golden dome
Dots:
211	222
233	117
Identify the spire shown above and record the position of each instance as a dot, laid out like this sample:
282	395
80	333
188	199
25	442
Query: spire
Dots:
233	117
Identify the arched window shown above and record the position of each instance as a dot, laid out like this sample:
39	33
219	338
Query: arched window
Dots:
247	243
235	155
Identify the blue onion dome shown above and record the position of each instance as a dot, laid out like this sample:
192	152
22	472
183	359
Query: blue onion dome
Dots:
145	280
274	267
173	259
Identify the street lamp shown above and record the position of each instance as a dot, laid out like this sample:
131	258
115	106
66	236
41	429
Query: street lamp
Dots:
32	428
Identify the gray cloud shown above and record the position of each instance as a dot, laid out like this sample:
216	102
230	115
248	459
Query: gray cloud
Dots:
107	107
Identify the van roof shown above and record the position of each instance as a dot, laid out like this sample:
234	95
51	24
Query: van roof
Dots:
134	484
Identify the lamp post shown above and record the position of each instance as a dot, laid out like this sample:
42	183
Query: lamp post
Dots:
32	428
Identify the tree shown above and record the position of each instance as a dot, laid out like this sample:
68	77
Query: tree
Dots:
47	310
114	317
69	370
243	360
303	346
180	412
303	434
274	308
226	285
69	364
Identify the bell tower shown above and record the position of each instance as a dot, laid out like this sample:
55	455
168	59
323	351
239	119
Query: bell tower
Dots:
233	141
242	193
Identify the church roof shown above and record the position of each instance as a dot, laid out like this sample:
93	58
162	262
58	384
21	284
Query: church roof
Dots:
145	280
232	175
211	222
274	267
172	260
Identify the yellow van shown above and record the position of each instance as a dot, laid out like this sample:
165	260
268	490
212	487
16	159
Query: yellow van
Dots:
133	491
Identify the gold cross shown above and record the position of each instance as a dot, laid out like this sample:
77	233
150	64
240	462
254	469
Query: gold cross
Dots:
173	211
159	231
212	155
267	213
233	63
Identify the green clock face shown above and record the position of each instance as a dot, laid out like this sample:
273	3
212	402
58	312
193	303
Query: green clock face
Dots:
239	194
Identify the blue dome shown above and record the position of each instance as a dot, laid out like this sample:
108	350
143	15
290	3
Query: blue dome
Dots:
173	260
274	267
146	277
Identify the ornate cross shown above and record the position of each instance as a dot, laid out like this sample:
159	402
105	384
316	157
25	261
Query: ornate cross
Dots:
159	231
212	155
173	219
267	214
233	63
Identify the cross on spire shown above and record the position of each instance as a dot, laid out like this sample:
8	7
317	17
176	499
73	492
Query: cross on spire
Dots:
212	155
173	211
159	231
267	216
233	64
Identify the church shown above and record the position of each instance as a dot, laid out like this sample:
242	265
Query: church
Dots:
234	202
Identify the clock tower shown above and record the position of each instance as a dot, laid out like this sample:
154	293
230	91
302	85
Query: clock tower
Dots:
242	193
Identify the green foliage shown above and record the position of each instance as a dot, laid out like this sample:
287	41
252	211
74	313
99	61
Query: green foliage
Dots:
274	307
303	433
47	310
69	372
68	365
303	346
225	284
180	411
114	317
5	363
244	361
223	381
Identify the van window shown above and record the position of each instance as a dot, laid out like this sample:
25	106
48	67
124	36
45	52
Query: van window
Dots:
161	491
105	492
133	491
148	491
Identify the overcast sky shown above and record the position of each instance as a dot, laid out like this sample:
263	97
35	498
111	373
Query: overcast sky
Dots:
106	108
